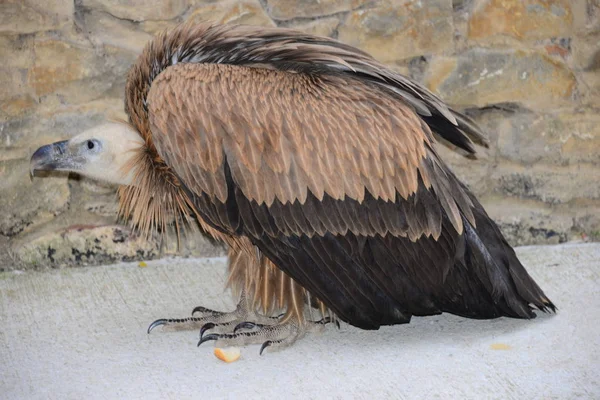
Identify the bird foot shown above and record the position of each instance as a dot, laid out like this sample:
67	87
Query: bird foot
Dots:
236	321
216	320
244	326
273	337
179	324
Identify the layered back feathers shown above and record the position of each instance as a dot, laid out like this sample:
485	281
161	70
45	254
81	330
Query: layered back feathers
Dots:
288	50
270	48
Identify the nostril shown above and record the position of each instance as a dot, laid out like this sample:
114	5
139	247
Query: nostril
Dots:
59	148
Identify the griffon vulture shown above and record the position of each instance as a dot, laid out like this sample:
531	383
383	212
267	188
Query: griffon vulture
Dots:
317	166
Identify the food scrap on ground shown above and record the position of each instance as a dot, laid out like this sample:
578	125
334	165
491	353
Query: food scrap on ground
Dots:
500	346
229	354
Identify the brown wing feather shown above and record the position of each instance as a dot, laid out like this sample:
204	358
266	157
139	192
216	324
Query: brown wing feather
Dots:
284	134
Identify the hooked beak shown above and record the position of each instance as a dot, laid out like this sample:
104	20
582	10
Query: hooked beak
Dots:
53	157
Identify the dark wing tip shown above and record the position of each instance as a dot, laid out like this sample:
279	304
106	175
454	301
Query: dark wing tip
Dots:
471	129
547	306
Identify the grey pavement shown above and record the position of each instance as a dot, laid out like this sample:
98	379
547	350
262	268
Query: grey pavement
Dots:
81	334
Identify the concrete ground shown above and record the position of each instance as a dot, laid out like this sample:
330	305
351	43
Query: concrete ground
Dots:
81	334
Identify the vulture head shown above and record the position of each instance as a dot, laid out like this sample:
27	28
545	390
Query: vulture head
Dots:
107	152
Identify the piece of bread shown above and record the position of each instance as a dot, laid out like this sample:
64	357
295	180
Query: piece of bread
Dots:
229	354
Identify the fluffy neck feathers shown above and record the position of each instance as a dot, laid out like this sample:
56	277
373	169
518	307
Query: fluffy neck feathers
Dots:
154	197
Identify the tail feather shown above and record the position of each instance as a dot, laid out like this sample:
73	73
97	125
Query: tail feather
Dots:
510	282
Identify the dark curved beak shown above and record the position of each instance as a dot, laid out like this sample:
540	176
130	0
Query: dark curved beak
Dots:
51	157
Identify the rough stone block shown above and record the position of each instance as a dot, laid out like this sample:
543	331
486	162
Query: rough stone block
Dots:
529	227
521	19
57	64
104	29
289	9
586	16
138	10
527	222
155	27
563	137
474	173
23	202
74	73
63	72
231	11
585	57
33	131
579	141
480	77
29	16
84	245
20	48
16	100
393	31
549	184
321	27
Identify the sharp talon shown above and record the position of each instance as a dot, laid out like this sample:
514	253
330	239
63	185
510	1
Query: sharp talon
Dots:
264	346
156	323
205	327
200	309
212	336
337	323
244	325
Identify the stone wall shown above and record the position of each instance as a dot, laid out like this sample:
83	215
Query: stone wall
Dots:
528	71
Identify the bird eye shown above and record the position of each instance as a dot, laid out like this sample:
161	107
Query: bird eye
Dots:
91	146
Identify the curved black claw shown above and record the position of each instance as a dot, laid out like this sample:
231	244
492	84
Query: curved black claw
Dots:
156	323
264	346
201	309
205	327
328	320
245	325
212	336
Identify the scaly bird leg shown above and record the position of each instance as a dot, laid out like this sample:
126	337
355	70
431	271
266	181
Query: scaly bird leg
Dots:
216	320
272	337
228	322
262	286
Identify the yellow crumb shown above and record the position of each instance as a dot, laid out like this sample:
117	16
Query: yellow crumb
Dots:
500	346
229	354
142	264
